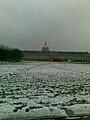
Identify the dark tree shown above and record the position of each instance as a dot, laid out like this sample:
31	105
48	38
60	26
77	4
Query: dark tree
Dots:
16	55
11	55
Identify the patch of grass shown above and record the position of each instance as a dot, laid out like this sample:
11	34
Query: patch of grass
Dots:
2	101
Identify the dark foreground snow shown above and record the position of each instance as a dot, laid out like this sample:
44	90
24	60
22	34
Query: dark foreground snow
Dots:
44	89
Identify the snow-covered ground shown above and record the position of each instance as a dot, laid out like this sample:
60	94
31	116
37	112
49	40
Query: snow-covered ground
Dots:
32	89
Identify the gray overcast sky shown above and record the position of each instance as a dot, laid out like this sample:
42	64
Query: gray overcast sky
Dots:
64	24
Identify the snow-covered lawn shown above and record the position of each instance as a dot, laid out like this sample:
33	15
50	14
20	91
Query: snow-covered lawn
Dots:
32	89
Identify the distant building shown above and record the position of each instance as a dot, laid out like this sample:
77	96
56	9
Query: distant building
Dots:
56	56
45	47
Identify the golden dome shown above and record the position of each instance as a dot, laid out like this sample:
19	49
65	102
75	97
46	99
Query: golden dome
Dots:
45	45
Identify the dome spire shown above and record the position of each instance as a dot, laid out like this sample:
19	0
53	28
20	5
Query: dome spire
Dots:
45	47
45	43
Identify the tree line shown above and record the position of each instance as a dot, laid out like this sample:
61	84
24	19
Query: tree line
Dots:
10	54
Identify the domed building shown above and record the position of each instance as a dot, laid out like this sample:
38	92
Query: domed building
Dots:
45	47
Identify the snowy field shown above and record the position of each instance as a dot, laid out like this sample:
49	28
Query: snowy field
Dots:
32	89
